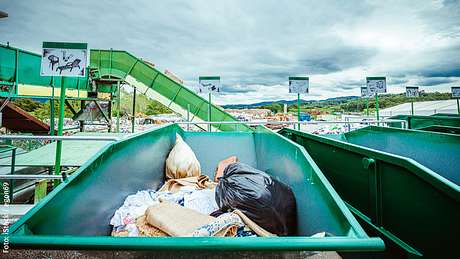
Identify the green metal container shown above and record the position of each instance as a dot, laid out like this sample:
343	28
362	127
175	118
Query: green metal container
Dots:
419	122
401	183
446	115
76	214
442	129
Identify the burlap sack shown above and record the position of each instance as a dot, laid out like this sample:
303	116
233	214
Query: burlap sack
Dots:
122	233
147	230
181	161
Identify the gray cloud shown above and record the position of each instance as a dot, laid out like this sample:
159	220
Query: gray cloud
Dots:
397	81
435	81
256	45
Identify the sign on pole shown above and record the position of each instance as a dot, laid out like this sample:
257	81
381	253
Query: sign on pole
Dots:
299	84
455	92
412	91
64	59
376	85
364	92
208	84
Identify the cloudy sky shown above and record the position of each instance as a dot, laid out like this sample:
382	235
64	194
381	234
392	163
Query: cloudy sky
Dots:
255	45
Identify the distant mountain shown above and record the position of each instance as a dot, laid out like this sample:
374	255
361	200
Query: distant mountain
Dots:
288	102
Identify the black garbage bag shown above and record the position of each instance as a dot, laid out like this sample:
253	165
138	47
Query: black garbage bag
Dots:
266	201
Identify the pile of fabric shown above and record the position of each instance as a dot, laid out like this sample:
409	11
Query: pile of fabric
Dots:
239	202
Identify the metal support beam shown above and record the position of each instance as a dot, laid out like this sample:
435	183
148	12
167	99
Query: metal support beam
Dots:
188	116
110	68
377	107
67	103
134	111
110	112
16	74
52	108
209	112
298	110
458	105
153	81
118	106
103	114
82	123
130	69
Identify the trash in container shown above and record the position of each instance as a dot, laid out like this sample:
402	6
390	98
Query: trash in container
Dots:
265	200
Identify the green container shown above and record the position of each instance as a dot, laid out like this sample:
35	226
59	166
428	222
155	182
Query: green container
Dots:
76	214
446	115
419	122
384	175
442	129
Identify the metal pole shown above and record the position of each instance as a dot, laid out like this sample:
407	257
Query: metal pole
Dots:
412	107
118	106
110	113
458	105
298	110
188	116
52	107
367	106
82	123
57	167
377	107
16	75
134	111
209	112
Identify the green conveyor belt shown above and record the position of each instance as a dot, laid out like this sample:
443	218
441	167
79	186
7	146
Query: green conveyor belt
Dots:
22	68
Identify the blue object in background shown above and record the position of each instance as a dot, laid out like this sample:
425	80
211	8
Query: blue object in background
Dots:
304	116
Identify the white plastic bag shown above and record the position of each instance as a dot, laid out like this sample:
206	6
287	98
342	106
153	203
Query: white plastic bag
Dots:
181	161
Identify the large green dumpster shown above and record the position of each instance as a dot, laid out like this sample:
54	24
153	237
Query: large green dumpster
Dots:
76	214
409	204
418	122
442	129
438	152
446	115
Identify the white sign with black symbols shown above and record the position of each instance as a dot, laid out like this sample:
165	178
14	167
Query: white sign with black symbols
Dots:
299	85
412	91
364	92
64	59
208	84
456	92
376	85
